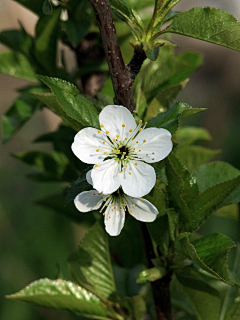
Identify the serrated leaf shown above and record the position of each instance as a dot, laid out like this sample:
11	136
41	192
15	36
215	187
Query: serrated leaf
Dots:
209	253
75	106
194	156
130	16
161	176
50	167
94	262
47	7
20	112
62	294
188	135
208	24
50	100
56	202
16	65
179	110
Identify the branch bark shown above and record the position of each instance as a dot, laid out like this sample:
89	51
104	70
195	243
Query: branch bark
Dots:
122	75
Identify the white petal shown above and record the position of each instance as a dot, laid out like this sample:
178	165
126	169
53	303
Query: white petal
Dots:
114	220
141	180
113	118
157	145
142	209
105	176
86	143
89	177
88	201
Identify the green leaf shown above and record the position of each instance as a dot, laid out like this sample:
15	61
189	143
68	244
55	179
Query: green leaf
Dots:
130	16
20	112
215	173
35	6
56	202
47	7
209	253
161	176
208	24
12	39
94	262
51	102
194	156
137	306
54	167
45	50
203	298
76	30
75	106
78	186
16	65
151	274
179	110
63	295
188	135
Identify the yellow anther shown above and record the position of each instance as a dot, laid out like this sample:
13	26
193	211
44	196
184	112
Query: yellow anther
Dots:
117	136
120	208
145	122
96	165
140	121
133	206
115	208
152	158
114	140
105	152
120	147
153	153
133	157
142	200
125	166
140	129
124	152
139	150
100	211
136	141
125	138
112	204
120	171
144	140
109	217
121	213
123	125
129	173
99	131
107	132
134	148
103	142
101	125
97	150
130	130
127	157
130	211
97	204
106	205
136	164
147	154
103	214
125	210
132	138
94	194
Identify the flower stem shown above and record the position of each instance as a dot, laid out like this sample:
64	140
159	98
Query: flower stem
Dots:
160	287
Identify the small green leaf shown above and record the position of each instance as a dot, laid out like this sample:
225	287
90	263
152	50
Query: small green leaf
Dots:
161	176
75	106
16	65
151	274
76	30
208	24
50	101
194	156
20	112
138	307
63	295
188	135
209	253
94	262
47	7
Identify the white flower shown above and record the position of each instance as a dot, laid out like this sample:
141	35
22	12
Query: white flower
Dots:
119	151
114	207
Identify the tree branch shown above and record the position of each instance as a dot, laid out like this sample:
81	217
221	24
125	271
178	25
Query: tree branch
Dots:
122	75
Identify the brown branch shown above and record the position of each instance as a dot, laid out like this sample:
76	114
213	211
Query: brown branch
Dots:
122	75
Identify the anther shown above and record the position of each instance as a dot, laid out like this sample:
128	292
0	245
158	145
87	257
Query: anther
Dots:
120	171
133	206
123	125
136	141
130	211
140	129
109	217
97	204
105	152
117	136
114	140
147	154
97	150
115	208
101	125
136	164
139	150
103	142
140	121
142	200
125	166
107	132
144	140
153	153
99	131
152	158
96	165
145	122
130	130
129	173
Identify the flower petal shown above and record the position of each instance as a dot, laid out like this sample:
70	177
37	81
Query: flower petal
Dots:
137	179
118	120
114	220
89	177
105	176
154	144
88	201
88	145
141	209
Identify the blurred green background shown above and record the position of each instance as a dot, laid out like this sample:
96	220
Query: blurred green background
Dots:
35	241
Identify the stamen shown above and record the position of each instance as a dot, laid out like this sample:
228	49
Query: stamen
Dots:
123	125
130	130
109	217
114	140
152	158
140	121
146	154
107	132
136	141
117	136
144	141
99	131
97	204
133	206
101	125
97	150
130	211
136	164
115	208
139	150
120	171
96	165
129	173
153	153
140	129
125	166
103	142
142	200
105	152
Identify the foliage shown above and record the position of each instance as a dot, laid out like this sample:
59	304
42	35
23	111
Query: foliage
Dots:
189	188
